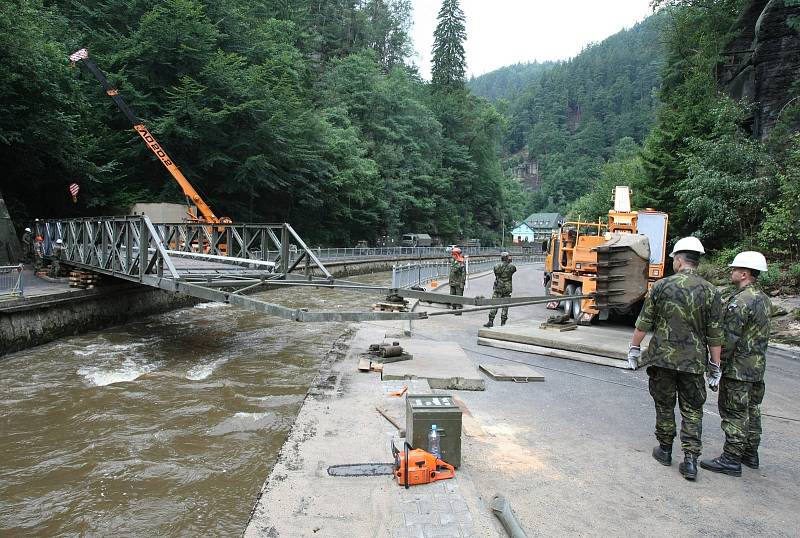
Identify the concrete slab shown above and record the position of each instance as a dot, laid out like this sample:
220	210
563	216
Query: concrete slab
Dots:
339	425
607	346
519	373
557	353
443	364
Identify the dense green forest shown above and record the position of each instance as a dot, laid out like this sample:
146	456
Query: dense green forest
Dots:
509	81
570	116
310	111
701	161
645	108
304	111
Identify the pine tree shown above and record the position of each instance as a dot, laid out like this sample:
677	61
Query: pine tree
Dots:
449	64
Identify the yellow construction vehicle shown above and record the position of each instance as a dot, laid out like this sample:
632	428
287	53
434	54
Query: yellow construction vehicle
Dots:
199	210
616	262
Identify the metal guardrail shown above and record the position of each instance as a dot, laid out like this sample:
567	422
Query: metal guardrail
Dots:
12	280
421	252
418	273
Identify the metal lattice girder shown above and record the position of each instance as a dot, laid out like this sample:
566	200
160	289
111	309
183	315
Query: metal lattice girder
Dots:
218	262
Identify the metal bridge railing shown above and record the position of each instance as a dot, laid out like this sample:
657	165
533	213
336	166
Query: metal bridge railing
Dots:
133	247
11	281
419	273
421	252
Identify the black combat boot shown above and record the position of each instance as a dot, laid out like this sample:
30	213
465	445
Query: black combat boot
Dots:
489	323
663	454
724	464
689	466
750	460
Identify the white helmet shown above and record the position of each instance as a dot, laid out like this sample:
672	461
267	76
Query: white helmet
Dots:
59	242
27	229
750	259
690	243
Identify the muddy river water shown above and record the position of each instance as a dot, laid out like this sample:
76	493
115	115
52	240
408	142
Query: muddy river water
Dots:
163	427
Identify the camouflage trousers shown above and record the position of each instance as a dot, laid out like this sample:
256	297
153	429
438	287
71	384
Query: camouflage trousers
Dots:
504	310
740	409
457	290
667	386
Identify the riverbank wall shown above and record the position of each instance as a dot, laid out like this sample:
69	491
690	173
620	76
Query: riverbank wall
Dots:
34	321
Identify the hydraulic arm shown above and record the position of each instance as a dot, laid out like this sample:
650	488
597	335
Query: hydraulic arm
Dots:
203	212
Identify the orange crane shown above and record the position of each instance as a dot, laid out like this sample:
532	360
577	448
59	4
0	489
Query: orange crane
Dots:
202	211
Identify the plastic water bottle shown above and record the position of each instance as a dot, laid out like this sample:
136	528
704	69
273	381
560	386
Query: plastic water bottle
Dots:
433	442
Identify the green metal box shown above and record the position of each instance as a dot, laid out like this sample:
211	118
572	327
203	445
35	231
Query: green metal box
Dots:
423	410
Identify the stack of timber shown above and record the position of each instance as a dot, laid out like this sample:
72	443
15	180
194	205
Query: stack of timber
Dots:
390	307
83	279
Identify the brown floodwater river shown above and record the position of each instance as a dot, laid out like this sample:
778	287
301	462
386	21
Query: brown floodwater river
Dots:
166	426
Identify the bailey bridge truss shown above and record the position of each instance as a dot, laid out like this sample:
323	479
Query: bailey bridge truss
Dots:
226	263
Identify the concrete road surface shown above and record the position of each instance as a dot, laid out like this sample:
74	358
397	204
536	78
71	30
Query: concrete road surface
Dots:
572	454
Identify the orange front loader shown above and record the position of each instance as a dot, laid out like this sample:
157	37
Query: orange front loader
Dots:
616	261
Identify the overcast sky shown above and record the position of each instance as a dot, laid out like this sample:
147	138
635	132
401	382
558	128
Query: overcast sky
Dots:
504	32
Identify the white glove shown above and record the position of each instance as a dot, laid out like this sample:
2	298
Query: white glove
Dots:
634	354
713	376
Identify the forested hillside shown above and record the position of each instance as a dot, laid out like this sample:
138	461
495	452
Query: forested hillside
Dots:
302	111
572	116
507	82
724	163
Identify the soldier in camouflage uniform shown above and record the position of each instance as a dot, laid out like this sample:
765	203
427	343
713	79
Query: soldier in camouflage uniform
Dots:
27	245
741	381
458	276
684	312
503	273
38	253
55	263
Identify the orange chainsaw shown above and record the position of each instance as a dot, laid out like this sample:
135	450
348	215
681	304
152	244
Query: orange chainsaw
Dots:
415	466
411	467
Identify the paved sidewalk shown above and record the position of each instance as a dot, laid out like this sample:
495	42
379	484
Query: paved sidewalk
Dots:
339	424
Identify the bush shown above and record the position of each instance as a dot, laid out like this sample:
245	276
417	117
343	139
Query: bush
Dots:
780	276
771	279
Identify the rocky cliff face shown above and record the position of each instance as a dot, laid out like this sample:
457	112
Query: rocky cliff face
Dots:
762	63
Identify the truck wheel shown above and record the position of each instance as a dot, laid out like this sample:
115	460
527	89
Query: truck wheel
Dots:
576	303
567	305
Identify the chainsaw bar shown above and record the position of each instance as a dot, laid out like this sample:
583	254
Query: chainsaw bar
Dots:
362	469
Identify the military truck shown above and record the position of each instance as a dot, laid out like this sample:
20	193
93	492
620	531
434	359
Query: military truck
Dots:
617	261
416	240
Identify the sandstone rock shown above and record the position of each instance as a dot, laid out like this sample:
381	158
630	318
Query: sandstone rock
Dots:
762	62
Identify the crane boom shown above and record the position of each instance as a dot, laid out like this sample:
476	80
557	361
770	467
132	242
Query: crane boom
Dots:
204	211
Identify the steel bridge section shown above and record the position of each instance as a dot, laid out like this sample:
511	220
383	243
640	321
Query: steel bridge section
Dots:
220	262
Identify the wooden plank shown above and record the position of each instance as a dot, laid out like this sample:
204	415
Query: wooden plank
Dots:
385	414
519	373
559	326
